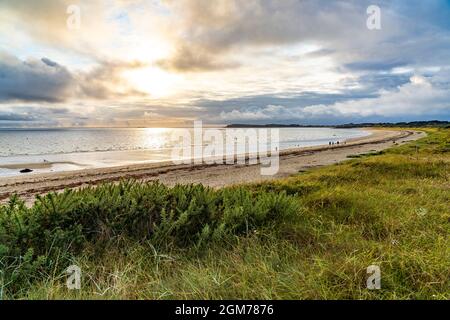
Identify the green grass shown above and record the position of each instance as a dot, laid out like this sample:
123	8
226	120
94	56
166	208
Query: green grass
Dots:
310	236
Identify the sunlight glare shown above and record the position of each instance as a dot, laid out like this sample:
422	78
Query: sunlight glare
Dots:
154	81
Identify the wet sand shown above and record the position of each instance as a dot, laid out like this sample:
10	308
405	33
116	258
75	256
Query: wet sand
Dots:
217	175
41	165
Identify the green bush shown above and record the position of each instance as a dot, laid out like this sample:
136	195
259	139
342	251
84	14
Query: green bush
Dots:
60	226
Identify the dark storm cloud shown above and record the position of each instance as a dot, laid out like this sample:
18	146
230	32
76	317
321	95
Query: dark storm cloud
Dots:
33	80
47	81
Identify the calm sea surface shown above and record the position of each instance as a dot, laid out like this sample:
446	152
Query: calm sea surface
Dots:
68	149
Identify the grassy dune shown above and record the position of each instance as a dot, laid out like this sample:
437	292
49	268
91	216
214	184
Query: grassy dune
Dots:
310	236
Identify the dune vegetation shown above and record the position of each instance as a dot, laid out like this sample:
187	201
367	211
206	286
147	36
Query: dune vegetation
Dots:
310	236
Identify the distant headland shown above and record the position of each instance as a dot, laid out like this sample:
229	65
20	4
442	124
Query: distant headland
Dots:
413	124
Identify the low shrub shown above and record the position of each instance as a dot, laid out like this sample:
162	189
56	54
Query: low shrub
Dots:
60	226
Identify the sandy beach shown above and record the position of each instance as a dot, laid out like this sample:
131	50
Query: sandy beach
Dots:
291	162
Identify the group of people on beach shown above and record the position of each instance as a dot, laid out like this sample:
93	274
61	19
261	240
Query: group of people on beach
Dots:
332	143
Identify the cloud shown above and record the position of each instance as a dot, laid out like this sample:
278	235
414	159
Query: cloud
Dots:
105	80
253	60
35	115
10	116
417	98
213	33
33	80
219	29
45	22
188	59
420	97
47	81
45	19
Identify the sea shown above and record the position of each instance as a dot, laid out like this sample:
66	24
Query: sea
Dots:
67	149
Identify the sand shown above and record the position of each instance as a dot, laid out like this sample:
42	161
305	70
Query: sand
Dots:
41	165
218	175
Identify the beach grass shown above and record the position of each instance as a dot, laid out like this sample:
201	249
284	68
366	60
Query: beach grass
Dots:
310	236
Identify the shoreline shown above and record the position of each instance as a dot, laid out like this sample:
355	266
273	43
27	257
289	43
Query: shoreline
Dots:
216	175
58	162
37	165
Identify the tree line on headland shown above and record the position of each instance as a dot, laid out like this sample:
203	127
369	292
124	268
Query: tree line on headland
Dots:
412	124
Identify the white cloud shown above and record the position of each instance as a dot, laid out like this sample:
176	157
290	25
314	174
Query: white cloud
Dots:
418	97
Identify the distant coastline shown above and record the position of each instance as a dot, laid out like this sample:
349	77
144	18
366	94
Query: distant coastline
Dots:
412	124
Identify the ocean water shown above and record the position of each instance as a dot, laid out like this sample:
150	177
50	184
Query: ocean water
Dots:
46	150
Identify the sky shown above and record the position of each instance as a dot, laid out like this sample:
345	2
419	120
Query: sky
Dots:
153	63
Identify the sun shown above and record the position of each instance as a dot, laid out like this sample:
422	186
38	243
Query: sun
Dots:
154	81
